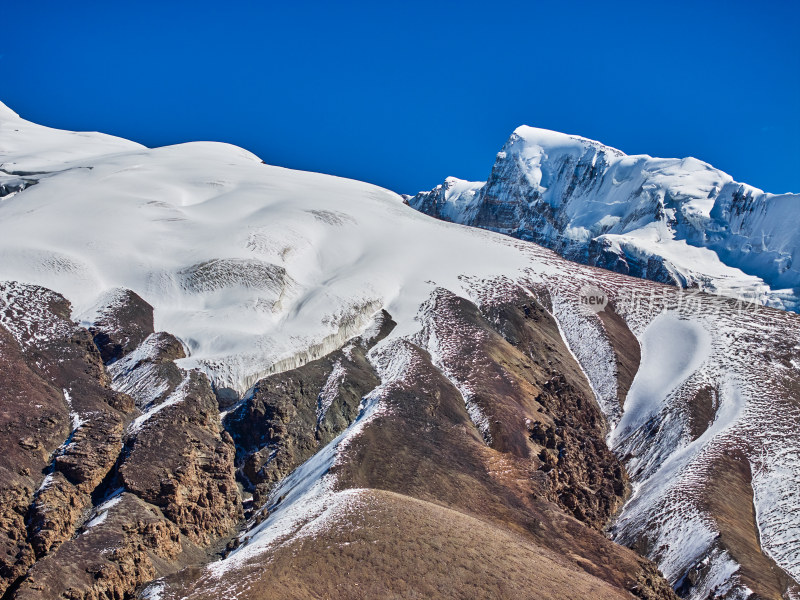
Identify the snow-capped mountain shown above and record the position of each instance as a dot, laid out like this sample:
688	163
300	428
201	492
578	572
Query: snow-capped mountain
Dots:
228	379
677	221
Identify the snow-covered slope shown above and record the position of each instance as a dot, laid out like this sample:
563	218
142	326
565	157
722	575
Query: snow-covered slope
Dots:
28	148
259	269
256	268
671	220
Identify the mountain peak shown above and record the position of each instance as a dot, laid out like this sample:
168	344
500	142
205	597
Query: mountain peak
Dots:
526	136
678	221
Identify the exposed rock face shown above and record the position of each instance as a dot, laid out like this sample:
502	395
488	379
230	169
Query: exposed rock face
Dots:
57	507
122	323
585	477
181	461
130	545
91	452
61	418
292	415
34	420
178	456
529	397
64	356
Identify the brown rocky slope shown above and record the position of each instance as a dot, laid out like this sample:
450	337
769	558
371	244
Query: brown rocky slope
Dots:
426	504
122	489
85	475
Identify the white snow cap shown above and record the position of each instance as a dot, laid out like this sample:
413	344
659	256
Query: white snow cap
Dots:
554	140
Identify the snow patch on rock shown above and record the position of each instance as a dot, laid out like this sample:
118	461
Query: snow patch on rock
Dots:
330	390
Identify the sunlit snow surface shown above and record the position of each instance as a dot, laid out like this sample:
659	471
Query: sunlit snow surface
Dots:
258	269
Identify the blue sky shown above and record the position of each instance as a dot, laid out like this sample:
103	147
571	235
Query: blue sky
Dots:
403	94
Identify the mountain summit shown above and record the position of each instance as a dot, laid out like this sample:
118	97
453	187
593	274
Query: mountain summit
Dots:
677	221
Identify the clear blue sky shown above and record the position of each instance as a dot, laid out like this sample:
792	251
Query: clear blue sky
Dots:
403	94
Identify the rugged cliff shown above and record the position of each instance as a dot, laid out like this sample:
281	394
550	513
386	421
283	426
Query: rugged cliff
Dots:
100	501
677	221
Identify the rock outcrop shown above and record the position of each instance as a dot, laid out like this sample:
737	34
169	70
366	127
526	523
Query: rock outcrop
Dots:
122	322
87	413
98	497
181	461
292	415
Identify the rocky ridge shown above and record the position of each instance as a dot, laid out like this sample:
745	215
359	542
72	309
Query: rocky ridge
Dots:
117	496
